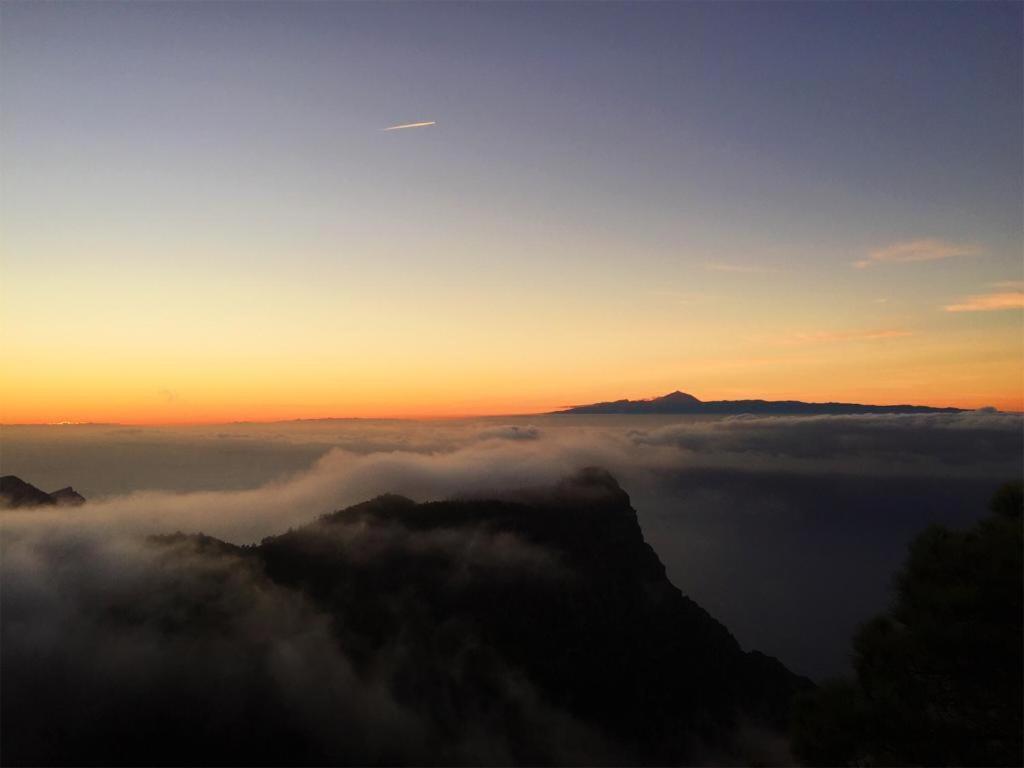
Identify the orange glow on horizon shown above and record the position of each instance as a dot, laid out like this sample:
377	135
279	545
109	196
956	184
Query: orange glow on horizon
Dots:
223	413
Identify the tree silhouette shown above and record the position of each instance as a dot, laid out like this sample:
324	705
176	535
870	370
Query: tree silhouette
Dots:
939	676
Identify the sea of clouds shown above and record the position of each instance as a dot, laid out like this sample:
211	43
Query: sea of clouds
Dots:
787	529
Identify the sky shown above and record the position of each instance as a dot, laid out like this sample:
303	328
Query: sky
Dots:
202	218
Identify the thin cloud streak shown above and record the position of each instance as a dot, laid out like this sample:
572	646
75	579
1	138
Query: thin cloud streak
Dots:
927	249
403	126
739	268
827	337
989	302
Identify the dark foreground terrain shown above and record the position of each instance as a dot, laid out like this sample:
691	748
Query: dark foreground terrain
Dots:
536	628
939	678
539	628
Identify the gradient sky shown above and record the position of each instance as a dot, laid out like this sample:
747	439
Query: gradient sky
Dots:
202	218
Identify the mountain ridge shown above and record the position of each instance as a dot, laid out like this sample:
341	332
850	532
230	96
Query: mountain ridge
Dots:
678	402
538	623
600	631
15	492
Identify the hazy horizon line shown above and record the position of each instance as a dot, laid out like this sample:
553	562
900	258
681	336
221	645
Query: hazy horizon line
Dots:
460	416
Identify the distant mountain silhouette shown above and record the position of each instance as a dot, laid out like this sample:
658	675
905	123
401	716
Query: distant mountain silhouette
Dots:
681	402
67	496
536	628
15	492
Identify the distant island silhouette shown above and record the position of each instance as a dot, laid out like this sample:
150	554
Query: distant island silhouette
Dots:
681	402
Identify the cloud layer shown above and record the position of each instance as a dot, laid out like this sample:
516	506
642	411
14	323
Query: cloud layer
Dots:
760	519
120	649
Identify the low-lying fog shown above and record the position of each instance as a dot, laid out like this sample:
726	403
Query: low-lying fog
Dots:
787	529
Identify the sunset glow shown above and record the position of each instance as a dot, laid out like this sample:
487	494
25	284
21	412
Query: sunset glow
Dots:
281	257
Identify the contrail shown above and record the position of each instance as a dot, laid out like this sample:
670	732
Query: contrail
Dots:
409	125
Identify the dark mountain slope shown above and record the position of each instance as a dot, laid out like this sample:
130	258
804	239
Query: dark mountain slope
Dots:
15	492
67	497
584	608
683	403
538	628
